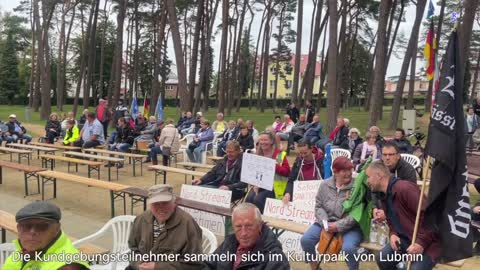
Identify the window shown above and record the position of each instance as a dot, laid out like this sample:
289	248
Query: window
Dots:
272	84
272	70
169	87
288	84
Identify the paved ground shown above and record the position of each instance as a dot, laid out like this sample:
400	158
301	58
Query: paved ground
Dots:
86	209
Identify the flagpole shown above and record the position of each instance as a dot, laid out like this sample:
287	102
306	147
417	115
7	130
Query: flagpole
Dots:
426	171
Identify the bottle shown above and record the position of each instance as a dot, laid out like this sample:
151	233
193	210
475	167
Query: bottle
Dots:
401	266
373	231
382	234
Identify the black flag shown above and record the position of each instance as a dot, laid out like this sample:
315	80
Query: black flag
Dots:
448	207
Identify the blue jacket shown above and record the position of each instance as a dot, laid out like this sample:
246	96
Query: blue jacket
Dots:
205	136
313	130
476	123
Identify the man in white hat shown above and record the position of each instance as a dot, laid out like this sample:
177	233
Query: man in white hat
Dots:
16	131
164	230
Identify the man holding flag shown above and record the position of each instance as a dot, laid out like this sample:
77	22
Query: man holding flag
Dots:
448	206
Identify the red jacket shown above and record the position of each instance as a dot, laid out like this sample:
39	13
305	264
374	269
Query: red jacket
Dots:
405	196
281	169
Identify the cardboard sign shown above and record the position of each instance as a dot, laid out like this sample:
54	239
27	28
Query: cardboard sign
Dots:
305	192
258	171
290	241
213	196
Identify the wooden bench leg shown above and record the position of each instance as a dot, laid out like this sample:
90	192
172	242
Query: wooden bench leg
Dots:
44	181
26	185
4	235
113	196
133	165
1	175
109	172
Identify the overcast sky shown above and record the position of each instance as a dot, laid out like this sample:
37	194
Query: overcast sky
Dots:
393	68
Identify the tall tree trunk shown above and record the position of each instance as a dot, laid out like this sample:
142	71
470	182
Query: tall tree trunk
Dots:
428	98
342	57
332	64
309	77
223	58
378	87
117	81
136	64
277	60
411	86
412	43
265	58
177	46
47	13
323	70
475	78
34	60
298	52
82	64
247	38
102	51
87	87
254	70
194	58
368	94
160	36
40	55
465	32
60	64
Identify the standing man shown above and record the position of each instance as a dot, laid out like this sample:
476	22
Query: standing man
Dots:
103	115
39	231
476	106
293	112
400	205
165	229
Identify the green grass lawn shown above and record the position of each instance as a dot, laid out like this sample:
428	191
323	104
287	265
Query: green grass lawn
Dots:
358	117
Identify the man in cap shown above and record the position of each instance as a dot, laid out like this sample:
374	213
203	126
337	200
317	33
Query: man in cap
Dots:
167	230
39	231
16	131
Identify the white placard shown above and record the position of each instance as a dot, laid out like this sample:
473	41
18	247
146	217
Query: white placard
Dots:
305	192
213	196
290	241
258	171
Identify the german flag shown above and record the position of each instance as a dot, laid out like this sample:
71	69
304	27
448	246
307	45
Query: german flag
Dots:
145	107
429	52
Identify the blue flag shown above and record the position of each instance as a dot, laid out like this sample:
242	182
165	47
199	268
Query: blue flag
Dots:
327	161
134	108
159	108
431	9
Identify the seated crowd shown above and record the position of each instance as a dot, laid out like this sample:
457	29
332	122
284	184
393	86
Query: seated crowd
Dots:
167	229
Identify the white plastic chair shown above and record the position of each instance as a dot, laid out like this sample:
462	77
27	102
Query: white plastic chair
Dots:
411	159
183	147
121	227
209	241
337	152
216	139
5	250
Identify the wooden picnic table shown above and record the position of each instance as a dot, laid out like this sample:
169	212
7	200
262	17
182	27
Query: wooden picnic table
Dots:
8	223
131	156
116	189
110	160
49	160
57	146
162	170
28	171
20	152
215	159
193	166
45	150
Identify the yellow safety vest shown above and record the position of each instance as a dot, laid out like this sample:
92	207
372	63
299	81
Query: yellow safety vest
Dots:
63	246
280	181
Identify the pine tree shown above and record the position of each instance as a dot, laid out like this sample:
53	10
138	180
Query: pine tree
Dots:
9	77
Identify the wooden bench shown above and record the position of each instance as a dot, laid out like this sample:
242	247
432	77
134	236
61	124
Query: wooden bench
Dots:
57	146
162	170
8	223
110	160
49	161
215	159
45	150
114	188
28	172
193	166
131	156
21	153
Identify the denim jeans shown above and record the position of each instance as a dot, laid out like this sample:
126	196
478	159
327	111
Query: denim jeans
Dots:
112	138
15	138
196	155
154	151
425	264
221	148
120	147
351	241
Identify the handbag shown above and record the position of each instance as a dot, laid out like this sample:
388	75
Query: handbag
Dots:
167	149
193	145
330	243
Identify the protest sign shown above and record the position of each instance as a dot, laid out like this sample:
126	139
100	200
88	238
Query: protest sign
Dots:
258	171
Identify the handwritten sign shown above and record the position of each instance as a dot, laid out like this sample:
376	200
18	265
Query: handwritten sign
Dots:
258	171
290	241
305	192
213	196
